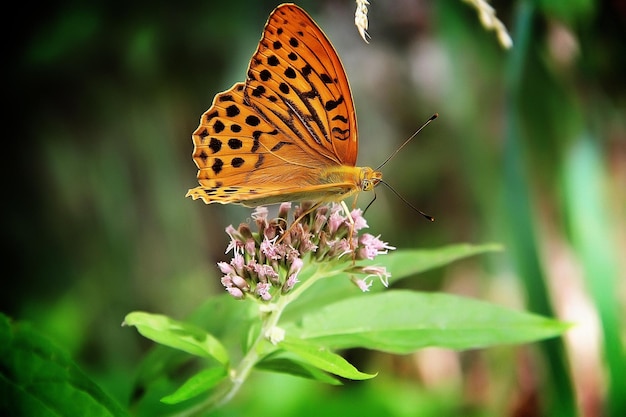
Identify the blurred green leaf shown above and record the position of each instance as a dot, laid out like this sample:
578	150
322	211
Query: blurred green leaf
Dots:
592	228
38	379
196	385
404	321
323	358
406	263
70	34
569	10
178	335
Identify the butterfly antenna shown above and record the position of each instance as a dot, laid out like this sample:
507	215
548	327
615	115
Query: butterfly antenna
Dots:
431	218
370	203
433	117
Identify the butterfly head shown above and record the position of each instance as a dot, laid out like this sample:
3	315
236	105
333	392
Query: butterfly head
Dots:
370	178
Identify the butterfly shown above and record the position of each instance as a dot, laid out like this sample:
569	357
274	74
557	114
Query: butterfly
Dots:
289	132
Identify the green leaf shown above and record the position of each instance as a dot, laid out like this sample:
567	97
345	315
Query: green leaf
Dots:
178	335
196	385
38	379
282	363
401	264
222	316
405	263
324	359
404	321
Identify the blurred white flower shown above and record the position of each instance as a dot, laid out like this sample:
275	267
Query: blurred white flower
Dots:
487	16
360	18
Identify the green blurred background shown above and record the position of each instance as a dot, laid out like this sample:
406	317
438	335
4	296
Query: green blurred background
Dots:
529	151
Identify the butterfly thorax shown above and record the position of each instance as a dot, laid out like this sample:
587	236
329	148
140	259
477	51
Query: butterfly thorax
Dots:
355	179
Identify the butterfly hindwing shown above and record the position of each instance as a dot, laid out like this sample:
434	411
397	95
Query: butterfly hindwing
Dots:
252	196
235	149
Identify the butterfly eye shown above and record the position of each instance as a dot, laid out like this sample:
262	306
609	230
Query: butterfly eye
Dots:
368	185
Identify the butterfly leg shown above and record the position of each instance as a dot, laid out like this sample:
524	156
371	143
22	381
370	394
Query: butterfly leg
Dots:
351	240
298	220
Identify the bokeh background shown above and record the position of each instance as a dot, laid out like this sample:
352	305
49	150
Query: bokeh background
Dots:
529	151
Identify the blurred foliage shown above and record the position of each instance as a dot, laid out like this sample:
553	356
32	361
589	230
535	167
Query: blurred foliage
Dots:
530	151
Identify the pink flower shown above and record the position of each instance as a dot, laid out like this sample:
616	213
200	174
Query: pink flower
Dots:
362	284
270	249
227	281
235	241
264	272
377	271
238	262
235	292
226	268
306	243
263	291
290	283
320	222
339	248
235	285
296	266
358	219
372	246
335	220
240	283
260	213
250	247
269	260
283	210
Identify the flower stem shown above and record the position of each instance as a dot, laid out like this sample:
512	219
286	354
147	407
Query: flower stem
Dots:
260	346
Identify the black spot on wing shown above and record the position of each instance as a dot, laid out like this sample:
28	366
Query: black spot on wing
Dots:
332	104
217	166
252	120
290	73
215	145
218	126
235	143
265	75
232	110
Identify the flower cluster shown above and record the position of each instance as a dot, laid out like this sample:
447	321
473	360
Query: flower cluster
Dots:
269	261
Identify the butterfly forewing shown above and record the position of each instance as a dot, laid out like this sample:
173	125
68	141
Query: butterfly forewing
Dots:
297	82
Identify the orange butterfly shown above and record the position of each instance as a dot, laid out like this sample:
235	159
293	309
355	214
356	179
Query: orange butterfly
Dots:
289	132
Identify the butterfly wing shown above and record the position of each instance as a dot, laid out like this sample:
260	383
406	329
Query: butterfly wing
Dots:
242	159
297	82
252	196
274	137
